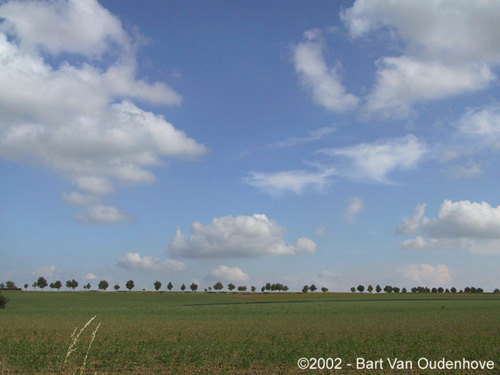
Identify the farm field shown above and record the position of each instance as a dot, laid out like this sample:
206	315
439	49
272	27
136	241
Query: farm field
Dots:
224	333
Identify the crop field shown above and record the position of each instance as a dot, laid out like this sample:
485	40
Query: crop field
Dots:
224	333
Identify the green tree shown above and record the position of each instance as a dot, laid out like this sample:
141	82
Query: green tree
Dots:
388	289
117	286
103	285
313	288
218	286
193	287
378	289
72	284
253	288
157	285
130	285
305	289
453	290
183	287
34	285
88	286
3	301
26	286
263	289
361	288
170	286
370	288
41	282
353	289
242	288
58	285
324	290
10	285
231	287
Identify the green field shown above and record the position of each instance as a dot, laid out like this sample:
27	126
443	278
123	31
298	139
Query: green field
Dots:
222	333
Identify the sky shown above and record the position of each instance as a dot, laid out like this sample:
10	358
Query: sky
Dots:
328	142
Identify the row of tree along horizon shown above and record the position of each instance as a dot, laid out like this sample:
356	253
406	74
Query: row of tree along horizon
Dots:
274	287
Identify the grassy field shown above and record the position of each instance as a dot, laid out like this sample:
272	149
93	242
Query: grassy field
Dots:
200	333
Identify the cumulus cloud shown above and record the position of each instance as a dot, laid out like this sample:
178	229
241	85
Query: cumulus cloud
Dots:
426	274
449	48
237	237
322	82
134	261
79	118
374	161
63	26
468	225
295	181
225	273
412	224
104	214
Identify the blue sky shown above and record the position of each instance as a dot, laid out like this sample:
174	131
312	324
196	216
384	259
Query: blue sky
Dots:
334	143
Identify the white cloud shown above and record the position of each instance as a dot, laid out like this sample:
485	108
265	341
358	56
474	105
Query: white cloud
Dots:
470	170
403	81
465	219
237	237
374	161
78	118
449	48
351	212
412	224
90	276
323	82
104	214
73	26
225	273
134	261
481	123
427	275
79	199
295	181
464	225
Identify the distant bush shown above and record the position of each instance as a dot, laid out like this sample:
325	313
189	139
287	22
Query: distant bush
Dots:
3	301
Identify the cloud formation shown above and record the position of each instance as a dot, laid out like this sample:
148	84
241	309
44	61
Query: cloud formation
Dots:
374	161
237	237
351	212
427	275
322	82
468	225
134	261
226	273
78	118
449	48
295	181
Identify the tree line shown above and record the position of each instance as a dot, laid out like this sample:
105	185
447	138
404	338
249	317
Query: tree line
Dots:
42	283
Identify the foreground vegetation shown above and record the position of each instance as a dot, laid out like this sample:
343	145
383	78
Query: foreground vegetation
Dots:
243	333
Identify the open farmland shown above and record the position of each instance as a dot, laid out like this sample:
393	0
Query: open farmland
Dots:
219	333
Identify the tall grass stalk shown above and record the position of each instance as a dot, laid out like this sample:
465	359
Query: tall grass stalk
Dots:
75	336
92	338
